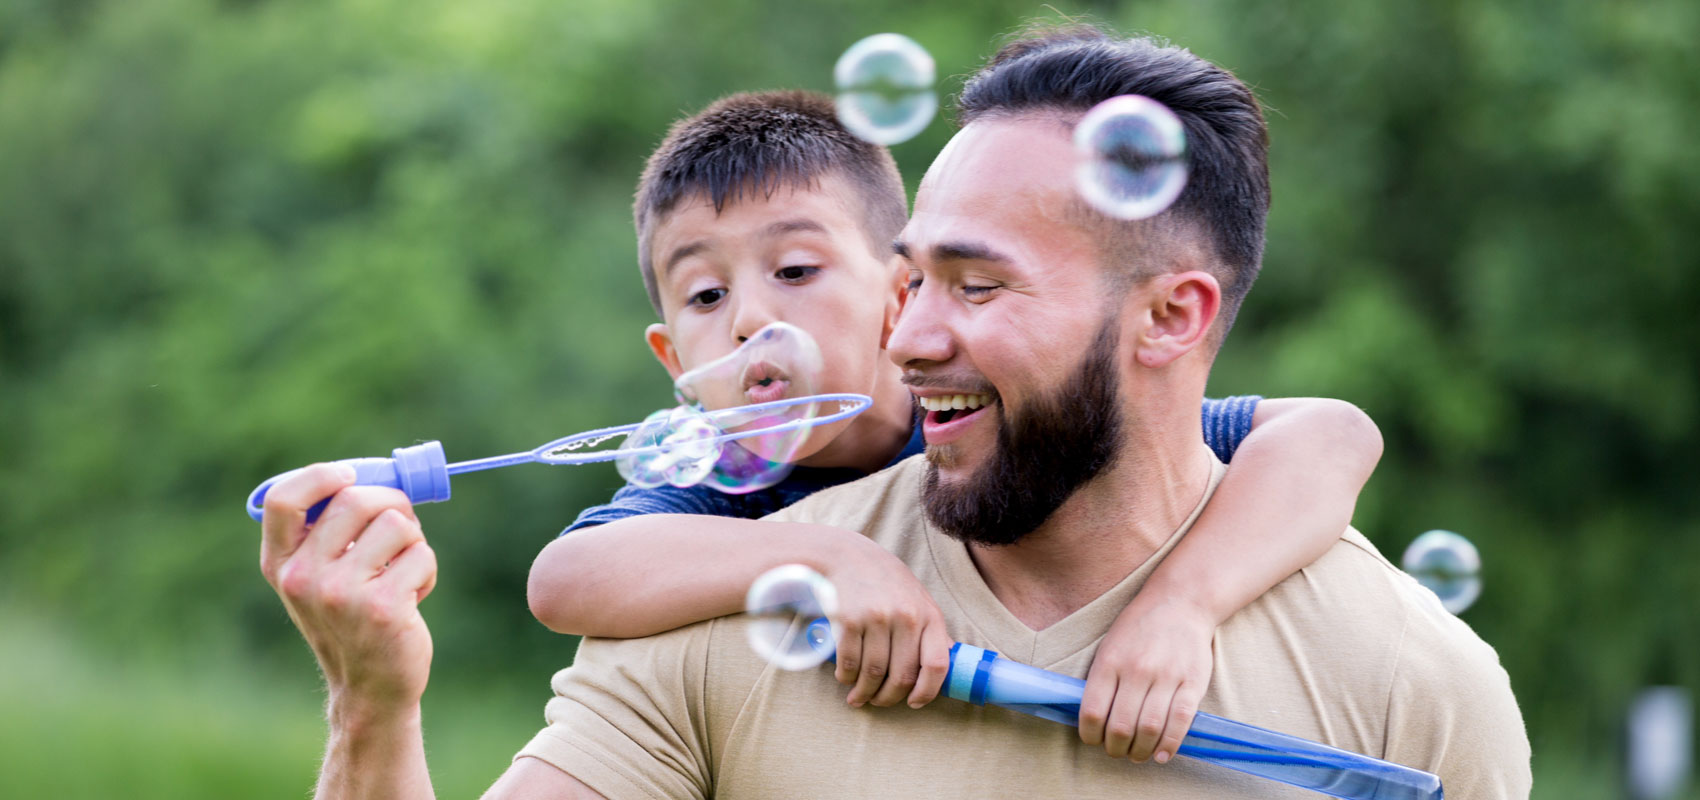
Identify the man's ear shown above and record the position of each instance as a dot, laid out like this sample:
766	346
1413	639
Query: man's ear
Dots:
660	341
898	296
1175	315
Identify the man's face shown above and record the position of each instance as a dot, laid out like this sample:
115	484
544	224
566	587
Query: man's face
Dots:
1009	310
800	256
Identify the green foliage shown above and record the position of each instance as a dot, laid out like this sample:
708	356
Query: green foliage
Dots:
236	237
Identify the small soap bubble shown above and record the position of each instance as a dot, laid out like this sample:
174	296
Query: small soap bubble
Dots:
885	88
689	449
787	607
1449	565
1131	157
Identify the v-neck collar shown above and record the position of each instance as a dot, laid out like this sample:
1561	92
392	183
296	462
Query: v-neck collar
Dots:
993	626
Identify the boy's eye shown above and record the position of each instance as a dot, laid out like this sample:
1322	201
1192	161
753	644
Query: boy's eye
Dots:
707	297
796	274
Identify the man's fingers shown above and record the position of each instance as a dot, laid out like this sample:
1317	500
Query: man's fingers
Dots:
904	667
1095	705
386	537
350	511
284	524
413	570
876	661
935	665
1181	712
849	653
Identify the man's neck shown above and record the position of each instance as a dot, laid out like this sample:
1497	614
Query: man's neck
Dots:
1106	530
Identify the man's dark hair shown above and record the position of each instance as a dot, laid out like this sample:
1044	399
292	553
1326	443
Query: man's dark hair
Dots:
756	143
1072	68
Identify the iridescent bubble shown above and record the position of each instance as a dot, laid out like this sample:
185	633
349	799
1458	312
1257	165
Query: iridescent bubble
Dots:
1448	565
785	605
778	363
1131	157
885	88
689	450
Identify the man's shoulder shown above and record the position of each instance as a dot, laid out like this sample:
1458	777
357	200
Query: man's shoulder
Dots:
890	497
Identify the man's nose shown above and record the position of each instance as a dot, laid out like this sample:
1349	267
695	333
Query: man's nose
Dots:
922	333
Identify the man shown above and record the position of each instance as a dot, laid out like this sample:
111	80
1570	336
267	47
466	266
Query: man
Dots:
1031	521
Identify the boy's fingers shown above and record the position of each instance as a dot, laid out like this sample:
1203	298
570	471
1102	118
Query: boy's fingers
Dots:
1124	712
1153	714
350	511
935	665
1095	705
849	653
284	524
876	662
1181	712
904	667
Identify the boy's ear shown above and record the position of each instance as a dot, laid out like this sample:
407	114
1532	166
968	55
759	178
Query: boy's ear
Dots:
899	295
660	341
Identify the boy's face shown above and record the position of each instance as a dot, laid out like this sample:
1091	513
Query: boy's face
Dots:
800	256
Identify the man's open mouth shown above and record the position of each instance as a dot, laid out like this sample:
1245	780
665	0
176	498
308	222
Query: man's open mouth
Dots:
944	408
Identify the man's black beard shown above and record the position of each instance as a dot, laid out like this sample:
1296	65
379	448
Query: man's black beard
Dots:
1044	454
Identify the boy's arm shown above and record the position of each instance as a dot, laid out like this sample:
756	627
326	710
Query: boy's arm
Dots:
1285	500
650	573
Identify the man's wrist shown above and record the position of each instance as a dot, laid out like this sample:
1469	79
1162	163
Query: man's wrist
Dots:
359	717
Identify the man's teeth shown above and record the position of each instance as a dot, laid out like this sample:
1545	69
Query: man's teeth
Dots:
955	401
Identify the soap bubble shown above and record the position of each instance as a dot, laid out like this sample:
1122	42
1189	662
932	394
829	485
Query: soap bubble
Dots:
778	363
1448	565
690	450
787	606
885	88
1131	157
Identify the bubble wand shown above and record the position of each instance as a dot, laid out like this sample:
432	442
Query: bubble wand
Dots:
753	391
783	598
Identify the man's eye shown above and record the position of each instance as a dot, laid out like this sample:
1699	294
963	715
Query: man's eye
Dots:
914	283
707	297
978	292
796	274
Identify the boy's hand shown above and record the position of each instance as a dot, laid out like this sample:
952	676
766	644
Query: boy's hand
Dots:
892	642
1146	681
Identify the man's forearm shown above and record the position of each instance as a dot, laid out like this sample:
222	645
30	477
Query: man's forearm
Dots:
374	753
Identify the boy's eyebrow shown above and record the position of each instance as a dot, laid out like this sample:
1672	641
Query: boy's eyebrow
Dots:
681	254
954	251
780	228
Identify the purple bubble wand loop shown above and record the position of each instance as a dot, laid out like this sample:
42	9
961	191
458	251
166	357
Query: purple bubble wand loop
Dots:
787	628
422	472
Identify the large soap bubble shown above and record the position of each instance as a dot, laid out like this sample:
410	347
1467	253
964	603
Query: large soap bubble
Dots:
1449	565
769	371
1131	157
785	605
885	89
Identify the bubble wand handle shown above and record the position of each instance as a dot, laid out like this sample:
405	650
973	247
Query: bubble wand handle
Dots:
981	676
422	472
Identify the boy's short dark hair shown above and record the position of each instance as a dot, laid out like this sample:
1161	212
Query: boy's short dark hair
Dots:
758	142
1073	67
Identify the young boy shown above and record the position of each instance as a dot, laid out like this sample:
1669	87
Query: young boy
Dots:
762	208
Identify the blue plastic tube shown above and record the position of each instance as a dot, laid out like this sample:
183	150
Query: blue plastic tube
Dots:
981	676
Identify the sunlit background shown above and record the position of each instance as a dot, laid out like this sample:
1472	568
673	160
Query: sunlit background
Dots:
239	236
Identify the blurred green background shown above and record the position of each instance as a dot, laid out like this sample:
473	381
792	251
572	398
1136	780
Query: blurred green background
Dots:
239	236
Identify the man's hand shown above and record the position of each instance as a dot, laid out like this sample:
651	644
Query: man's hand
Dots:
1146	681
352	583
892	642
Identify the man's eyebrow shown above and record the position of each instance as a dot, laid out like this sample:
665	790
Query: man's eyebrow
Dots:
955	251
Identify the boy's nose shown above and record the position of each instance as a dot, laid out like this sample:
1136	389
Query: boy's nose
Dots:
753	314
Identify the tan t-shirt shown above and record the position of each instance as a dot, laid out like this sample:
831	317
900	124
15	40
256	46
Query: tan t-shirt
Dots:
1350	652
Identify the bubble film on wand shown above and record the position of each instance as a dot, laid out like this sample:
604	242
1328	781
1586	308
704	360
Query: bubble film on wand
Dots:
724	441
788	629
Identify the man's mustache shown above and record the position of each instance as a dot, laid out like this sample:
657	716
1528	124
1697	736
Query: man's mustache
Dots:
958	382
